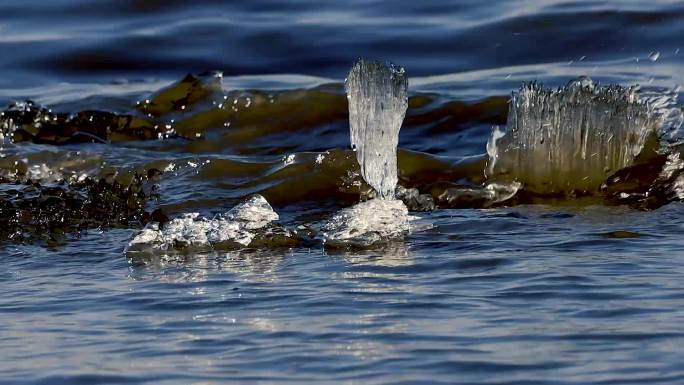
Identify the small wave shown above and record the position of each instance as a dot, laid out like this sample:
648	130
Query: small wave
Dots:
618	145
32	211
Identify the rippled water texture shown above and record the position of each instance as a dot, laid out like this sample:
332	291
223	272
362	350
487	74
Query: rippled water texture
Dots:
142	111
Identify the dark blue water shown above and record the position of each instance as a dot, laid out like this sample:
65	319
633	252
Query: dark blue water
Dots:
536	294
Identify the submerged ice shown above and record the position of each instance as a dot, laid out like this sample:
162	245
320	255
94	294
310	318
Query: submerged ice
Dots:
378	99
571	139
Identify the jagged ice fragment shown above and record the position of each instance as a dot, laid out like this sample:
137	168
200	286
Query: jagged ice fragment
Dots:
239	226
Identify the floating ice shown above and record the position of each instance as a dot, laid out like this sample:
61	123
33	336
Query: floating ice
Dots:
367	223
572	138
486	195
378	99
237	226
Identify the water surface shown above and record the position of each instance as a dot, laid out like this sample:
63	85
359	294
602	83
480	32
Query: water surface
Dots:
571	292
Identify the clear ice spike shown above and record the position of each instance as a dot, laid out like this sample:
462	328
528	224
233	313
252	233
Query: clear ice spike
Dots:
378	99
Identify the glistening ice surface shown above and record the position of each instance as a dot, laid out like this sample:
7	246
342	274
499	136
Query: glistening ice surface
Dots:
376	221
378	99
238	227
573	138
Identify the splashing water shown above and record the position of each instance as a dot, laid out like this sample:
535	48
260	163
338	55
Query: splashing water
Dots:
378	99
571	139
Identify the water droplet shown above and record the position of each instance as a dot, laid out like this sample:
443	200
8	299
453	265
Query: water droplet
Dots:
653	56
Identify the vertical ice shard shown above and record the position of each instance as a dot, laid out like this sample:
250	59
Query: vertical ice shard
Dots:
378	99
571	139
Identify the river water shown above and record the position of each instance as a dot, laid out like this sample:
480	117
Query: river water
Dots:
572	290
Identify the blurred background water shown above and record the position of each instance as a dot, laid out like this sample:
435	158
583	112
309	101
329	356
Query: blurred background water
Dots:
537	294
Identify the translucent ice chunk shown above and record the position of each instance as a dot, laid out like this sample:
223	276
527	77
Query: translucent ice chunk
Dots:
572	138
367	223
378	100
237	226
254	213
